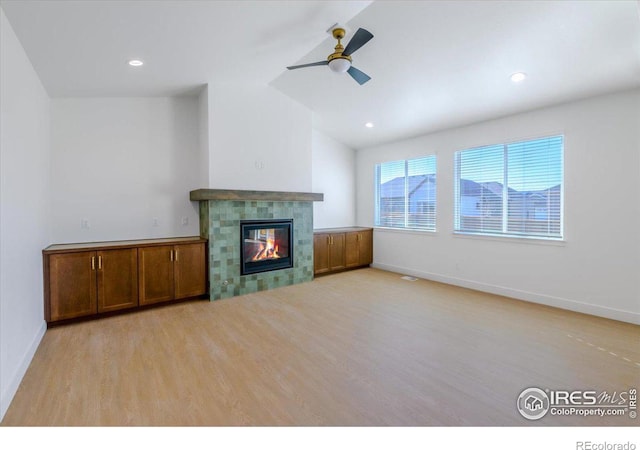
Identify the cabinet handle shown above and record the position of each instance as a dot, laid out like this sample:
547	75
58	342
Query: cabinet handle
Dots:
93	263
171	254
100	262
175	255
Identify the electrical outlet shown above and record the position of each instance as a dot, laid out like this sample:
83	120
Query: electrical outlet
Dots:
185	221
84	223
155	221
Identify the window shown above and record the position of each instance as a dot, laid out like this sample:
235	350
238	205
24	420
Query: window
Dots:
531	204
406	194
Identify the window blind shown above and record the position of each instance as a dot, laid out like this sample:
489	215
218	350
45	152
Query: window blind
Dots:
406	194
511	189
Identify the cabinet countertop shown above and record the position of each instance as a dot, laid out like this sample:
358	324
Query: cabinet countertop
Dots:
116	244
341	230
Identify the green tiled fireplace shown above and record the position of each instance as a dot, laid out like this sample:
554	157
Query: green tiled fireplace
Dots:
220	215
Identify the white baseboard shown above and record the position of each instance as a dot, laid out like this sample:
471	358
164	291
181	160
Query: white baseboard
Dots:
558	302
15	380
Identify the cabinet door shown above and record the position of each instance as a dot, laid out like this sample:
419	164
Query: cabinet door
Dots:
358	249
352	251
155	274
117	279
72	285
337	251
189	268
320	253
365	247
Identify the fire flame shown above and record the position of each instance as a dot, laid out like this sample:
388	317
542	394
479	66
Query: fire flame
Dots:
267	251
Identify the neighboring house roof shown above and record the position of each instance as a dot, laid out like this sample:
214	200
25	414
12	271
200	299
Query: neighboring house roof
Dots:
495	187
470	188
422	186
535	195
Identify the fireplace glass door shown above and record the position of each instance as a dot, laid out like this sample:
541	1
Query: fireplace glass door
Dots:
266	245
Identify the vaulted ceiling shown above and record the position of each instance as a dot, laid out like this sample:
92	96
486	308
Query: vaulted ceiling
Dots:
434	64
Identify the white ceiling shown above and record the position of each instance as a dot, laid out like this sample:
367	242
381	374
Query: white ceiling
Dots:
434	64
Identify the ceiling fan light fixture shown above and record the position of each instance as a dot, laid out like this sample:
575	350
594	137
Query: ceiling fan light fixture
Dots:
339	65
340	60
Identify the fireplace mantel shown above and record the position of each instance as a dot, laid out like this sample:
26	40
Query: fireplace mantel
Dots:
269	196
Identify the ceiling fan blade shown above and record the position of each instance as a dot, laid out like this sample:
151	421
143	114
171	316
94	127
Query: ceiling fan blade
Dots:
319	63
361	37
358	75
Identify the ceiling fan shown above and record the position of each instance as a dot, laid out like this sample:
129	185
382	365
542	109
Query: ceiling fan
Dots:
340	60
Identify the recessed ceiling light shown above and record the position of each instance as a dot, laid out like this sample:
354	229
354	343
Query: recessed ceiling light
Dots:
135	62
518	77
368	125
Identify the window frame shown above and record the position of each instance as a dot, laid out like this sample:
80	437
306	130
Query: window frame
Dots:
505	233
406	195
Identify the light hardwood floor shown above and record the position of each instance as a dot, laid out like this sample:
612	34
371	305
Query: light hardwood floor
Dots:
357	348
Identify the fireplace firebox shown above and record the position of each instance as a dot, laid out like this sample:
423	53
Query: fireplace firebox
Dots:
266	245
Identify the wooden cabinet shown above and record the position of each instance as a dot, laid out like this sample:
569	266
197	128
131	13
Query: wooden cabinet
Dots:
85	280
117	273
90	282
171	272
155	268
359	248
190	272
72	286
328	252
338	249
320	253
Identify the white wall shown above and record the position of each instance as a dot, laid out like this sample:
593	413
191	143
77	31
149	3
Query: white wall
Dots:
594	271
259	139
125	165
203	140
333	175
24	210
